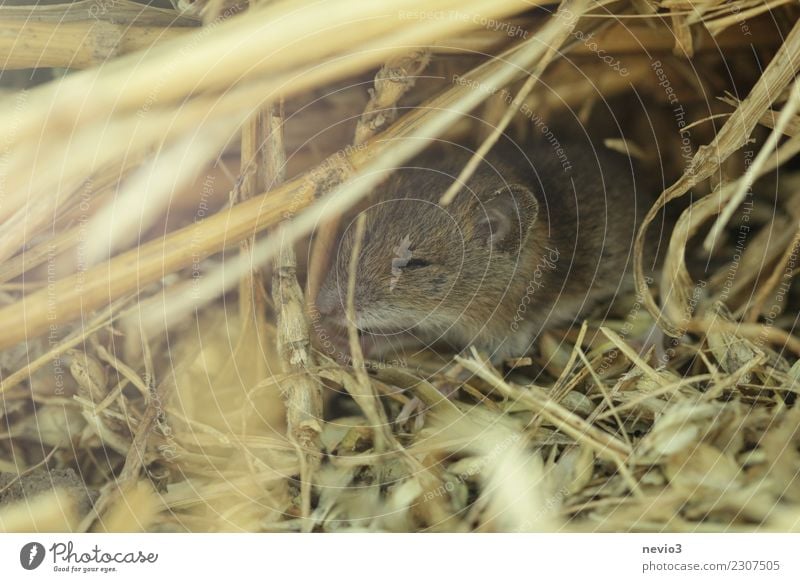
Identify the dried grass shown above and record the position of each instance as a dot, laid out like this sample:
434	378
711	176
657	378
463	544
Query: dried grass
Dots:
157	359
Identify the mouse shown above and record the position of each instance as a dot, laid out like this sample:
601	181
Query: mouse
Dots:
535	238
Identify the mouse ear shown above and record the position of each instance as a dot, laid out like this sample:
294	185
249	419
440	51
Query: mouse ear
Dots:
505	218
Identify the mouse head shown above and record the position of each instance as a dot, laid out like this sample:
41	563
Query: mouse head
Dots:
425	268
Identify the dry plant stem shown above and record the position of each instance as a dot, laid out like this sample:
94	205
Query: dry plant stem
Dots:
257	169
375	158
574	7
127	121
734	201
36	198
75	45
137	453
58	37
84	33
676	284
252	293
149	262
767	119
95	190
256	57
563	385
768	245
23	472
125	371
214	8
688	224
778	273
352	330
634	358
606	396
698	213
152	261
625	38
99	93
684	47
366	398
270	30
393	81
121	12
671	388
75	339
724	457
252	182
766	248
418	128
733	379
604	444
38	255
304	394
717	25
754	332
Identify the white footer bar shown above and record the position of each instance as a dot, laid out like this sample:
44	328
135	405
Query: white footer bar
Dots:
400	557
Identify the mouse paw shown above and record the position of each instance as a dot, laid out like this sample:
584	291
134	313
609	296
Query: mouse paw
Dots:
414	410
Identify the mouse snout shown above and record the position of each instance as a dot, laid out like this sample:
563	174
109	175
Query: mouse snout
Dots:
330	302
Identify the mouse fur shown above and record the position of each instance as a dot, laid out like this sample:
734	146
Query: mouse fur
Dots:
528	243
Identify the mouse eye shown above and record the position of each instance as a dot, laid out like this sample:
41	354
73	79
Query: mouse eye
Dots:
416	264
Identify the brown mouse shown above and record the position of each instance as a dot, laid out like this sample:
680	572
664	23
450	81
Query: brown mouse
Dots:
535	238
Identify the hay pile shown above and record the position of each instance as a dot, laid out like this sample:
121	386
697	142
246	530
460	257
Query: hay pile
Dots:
161	165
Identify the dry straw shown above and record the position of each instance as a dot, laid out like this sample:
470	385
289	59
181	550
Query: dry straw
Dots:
159	369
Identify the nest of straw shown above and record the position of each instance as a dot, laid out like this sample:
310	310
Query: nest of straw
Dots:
163	168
